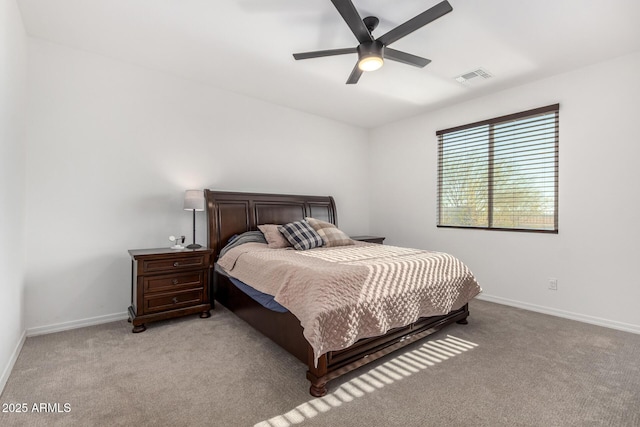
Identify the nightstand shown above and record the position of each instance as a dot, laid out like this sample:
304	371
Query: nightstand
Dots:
168	283
370	239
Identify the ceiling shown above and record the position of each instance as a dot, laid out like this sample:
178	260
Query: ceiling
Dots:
246	46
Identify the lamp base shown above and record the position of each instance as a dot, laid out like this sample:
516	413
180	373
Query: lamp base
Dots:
194	246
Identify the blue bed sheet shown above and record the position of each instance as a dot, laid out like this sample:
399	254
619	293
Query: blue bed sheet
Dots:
265	300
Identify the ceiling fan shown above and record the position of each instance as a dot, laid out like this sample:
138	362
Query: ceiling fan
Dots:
371	51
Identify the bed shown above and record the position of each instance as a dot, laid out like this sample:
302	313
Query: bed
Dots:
233	213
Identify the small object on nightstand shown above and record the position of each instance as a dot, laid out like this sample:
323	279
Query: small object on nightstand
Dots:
178	241
370	239
166	283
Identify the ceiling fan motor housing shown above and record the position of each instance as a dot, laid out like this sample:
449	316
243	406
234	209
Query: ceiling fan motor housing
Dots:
369	50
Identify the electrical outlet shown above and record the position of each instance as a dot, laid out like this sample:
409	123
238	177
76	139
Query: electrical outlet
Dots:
553	284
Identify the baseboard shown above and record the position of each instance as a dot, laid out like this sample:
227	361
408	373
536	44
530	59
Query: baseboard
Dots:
621	326
12	361
74	324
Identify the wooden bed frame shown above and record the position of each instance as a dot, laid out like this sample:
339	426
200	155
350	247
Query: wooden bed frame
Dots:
231	213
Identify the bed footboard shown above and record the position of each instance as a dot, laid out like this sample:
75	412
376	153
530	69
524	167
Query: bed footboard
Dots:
337	363
284	329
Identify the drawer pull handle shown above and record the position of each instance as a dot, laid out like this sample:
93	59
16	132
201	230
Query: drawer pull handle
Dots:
175	281
176	264
175	300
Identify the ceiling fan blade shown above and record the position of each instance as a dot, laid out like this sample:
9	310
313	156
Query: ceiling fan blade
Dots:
354	21
405	58
320	53
355	75
416	22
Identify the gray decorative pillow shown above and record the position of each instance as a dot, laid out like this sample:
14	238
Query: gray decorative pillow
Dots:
331	235
274	237
240	239
301	235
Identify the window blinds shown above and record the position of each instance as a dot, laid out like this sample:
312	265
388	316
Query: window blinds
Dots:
501	173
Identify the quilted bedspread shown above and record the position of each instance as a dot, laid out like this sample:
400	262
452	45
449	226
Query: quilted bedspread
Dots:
342	294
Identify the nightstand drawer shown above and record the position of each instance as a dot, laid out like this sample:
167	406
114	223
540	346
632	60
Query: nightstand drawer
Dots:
171	264
175	281
173	300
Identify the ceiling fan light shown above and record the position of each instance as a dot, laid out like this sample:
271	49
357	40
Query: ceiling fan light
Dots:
370	63
370	55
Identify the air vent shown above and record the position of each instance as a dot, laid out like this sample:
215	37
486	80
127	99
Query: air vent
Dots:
474	76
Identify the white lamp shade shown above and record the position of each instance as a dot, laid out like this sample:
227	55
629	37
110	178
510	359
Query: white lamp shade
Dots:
194	200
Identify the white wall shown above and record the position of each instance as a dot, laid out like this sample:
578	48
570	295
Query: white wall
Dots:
595	254
13	68
111	149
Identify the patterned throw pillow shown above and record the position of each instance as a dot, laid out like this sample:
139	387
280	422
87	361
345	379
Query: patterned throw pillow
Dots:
301	235
274	237
331	235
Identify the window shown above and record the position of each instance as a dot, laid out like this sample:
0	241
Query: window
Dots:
501	174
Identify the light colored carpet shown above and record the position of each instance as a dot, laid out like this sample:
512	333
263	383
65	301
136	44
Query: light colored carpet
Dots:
507	367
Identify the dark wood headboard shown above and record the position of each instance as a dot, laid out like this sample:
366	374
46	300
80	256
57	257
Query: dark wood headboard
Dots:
230	213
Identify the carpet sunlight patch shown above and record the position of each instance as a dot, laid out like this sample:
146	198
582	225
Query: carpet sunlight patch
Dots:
428	354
